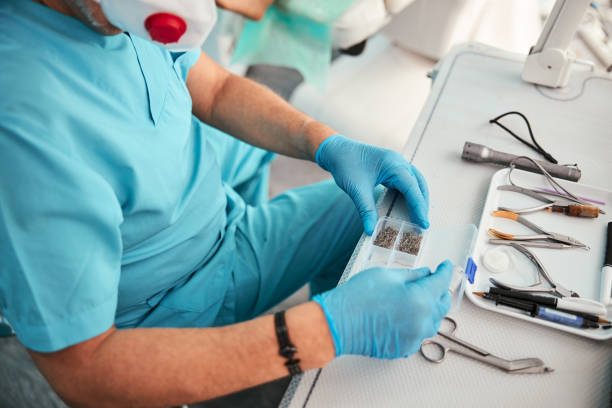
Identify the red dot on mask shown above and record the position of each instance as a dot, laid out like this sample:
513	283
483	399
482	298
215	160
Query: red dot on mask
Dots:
165	27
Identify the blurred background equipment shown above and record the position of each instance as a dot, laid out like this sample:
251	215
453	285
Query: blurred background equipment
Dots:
549	62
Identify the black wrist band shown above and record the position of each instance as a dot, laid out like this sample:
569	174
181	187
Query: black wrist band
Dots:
285	347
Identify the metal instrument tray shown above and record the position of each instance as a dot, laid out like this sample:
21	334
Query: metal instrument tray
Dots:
576	269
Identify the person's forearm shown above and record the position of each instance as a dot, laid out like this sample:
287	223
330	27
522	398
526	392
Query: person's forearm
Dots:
256	115
166	367
253	9
253	113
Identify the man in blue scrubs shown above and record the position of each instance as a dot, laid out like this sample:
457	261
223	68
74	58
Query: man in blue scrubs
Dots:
137	244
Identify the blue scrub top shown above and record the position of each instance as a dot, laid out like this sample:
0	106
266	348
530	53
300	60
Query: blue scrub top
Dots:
110	194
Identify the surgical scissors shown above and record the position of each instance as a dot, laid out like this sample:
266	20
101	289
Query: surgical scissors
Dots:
435	352
544	239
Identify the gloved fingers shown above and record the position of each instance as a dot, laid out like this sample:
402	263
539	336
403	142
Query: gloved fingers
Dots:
410	275
364	201
422	184
436	323
404	181
332	324
444	305
438	282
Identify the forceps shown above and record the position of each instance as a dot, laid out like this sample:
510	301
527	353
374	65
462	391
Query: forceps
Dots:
435	352
544	239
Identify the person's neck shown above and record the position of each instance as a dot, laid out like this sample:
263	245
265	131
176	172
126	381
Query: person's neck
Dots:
89	13
58	5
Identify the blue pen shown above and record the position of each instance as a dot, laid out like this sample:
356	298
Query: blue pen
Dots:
557	316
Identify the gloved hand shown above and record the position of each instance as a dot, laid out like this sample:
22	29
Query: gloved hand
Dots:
358	168
387	313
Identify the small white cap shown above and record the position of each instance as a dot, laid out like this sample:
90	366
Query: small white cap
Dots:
496	260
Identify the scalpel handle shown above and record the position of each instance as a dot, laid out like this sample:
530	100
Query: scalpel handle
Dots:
577	210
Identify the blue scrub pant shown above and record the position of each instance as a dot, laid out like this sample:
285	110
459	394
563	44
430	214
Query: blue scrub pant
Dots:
306	234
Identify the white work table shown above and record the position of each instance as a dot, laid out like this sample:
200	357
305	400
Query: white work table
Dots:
475	83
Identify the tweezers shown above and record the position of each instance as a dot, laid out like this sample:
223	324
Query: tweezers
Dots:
544	239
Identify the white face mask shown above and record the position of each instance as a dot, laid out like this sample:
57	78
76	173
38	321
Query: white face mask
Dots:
178	25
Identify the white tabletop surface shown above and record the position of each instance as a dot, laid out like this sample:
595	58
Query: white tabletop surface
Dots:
475	83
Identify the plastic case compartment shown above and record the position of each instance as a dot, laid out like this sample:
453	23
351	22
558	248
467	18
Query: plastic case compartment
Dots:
388	248
386	241
409	245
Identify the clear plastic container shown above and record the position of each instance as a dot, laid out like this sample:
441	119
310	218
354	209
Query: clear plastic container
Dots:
401	244
395	243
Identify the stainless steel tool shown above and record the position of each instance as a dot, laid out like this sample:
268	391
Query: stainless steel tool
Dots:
483	154
566	205
435	351
544	239
550	287
566	202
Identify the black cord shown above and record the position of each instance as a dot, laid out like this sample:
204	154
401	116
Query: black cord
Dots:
535	146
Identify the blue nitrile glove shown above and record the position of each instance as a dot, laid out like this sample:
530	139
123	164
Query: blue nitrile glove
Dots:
387	313
358	168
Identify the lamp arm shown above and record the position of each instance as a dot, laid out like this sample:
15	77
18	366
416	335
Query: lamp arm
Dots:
549	61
